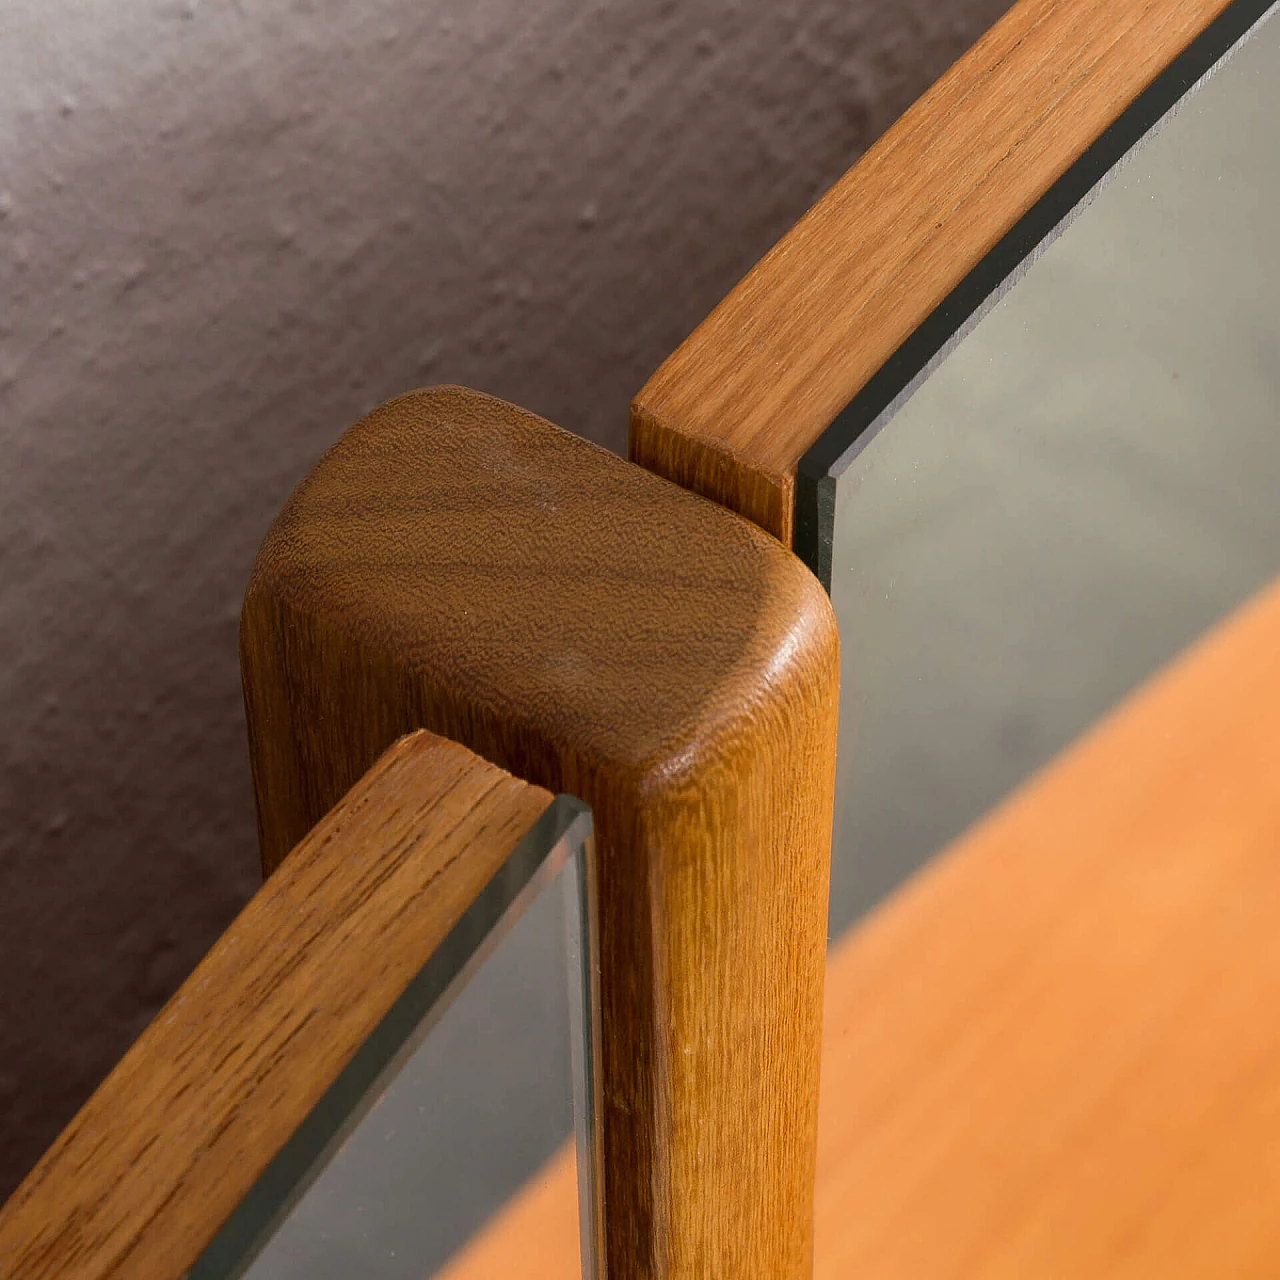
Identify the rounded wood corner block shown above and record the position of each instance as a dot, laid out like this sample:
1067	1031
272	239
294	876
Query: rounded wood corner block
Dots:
552	606
458	564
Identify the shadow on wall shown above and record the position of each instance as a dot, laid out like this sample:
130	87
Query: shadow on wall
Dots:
226	230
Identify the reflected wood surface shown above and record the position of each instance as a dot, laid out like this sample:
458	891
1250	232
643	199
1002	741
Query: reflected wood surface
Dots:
1055	1051
731	411
168	1145
534	1236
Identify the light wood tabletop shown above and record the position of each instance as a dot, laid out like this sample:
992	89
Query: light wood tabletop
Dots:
1054	1052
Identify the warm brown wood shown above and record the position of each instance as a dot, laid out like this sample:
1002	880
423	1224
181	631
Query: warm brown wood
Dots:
164	1150
730	413
1055	1052
459	564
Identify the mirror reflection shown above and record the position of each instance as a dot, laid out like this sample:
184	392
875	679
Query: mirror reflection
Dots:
1082	487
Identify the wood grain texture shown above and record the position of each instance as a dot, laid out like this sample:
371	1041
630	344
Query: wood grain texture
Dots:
1055	1052
459	564
730	413
168	1145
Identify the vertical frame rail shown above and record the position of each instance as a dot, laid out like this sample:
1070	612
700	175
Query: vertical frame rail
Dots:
457	564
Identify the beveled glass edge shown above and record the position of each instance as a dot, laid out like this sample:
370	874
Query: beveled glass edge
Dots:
561	835
582	952
950	322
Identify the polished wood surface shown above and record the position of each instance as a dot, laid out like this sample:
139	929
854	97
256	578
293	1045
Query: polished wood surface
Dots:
168	1145
1055	1052
730	413
459	564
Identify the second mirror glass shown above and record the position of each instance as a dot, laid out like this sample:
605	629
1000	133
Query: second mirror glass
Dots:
1088	482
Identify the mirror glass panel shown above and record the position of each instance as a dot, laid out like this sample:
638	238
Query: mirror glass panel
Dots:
472	1085
1087	482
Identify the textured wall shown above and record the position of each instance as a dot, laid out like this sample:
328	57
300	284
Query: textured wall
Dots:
228	228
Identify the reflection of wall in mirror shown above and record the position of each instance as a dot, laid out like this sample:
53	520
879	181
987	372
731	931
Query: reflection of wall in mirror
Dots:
1082	487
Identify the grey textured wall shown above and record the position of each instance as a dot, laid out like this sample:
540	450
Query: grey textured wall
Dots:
227	229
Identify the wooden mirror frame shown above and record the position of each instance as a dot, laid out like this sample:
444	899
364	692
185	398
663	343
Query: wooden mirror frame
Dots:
457	564
244	1054
675	669
821	340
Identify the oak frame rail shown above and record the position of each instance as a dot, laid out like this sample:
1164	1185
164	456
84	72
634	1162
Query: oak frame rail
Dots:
263	1058
841	318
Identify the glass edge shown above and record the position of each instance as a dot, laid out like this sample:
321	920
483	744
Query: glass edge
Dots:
582	953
